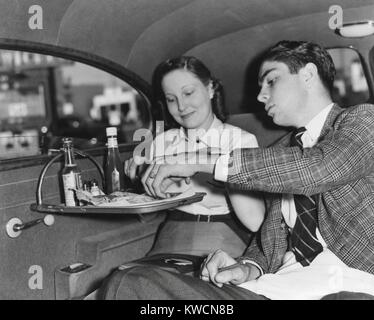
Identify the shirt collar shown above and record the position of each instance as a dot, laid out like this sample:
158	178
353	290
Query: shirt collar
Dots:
216	125
314	126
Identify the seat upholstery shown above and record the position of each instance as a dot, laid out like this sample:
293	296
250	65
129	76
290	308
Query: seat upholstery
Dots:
258	124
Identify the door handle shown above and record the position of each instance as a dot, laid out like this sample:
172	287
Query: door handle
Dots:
14	227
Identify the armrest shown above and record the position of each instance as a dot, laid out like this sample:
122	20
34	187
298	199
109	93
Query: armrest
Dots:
91	249
102	253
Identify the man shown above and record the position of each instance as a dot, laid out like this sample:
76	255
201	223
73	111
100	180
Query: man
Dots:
318	235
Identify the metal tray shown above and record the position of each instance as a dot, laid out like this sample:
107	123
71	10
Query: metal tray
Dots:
158	205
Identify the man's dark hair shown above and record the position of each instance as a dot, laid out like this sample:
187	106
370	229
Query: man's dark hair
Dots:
296	54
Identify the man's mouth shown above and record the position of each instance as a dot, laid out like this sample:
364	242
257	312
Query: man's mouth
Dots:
268	109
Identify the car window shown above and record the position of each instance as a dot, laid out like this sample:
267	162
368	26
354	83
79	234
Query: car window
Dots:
350	84
44	98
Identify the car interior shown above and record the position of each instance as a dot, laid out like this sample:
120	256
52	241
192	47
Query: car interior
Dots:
71	68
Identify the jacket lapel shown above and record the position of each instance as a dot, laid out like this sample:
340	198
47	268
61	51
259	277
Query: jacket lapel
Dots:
333	114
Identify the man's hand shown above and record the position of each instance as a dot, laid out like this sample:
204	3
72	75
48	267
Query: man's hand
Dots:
158	177
166	170
220	269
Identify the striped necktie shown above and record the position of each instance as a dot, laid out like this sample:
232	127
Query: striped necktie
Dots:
304	242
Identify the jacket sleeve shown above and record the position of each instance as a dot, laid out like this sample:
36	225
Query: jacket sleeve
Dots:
254	254
344	155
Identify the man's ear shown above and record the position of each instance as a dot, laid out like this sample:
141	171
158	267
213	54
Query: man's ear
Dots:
309	74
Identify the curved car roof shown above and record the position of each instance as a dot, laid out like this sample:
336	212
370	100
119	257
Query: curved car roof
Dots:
138	34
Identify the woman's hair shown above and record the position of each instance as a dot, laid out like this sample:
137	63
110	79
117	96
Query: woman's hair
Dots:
196	67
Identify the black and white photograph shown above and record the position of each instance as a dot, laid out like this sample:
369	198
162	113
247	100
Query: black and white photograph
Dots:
185	155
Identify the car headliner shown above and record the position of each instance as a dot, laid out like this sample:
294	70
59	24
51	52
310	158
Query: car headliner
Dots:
225	34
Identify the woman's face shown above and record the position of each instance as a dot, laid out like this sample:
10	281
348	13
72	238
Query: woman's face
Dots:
188	99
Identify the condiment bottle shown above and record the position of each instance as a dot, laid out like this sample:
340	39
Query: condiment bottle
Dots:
114	174
95	191
71	174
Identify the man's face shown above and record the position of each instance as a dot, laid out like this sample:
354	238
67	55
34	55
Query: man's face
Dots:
284	94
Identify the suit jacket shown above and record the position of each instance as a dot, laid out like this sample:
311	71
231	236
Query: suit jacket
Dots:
339	169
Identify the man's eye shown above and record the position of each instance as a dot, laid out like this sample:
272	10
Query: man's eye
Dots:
271	81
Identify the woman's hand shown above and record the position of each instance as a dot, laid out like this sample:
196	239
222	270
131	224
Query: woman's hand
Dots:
134	167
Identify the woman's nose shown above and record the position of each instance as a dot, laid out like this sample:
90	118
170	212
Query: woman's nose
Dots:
181	105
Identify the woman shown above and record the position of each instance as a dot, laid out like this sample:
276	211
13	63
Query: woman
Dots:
192	106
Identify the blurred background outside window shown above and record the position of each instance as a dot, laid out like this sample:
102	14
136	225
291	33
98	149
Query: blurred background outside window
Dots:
350	85
44	98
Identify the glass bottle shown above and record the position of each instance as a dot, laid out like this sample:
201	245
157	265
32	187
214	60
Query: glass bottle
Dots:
114	173
71	174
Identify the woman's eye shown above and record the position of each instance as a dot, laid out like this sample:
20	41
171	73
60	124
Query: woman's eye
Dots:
170	100
188	93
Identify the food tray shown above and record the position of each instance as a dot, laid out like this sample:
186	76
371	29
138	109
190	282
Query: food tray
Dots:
157	205
147	207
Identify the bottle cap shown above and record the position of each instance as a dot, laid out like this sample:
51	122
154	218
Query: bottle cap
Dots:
67	141
111	131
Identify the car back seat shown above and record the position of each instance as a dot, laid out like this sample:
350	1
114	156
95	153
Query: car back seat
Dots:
265	133
259	125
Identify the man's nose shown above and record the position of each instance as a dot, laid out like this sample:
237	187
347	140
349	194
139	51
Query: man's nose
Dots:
263	96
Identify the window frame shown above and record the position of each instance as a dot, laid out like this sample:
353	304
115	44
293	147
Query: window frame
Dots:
365	68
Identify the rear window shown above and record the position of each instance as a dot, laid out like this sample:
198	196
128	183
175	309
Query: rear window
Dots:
350	85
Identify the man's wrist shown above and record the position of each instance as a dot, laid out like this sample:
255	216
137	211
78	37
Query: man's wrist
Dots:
205	163
254	270
221	168
200	162
207	168
189	158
